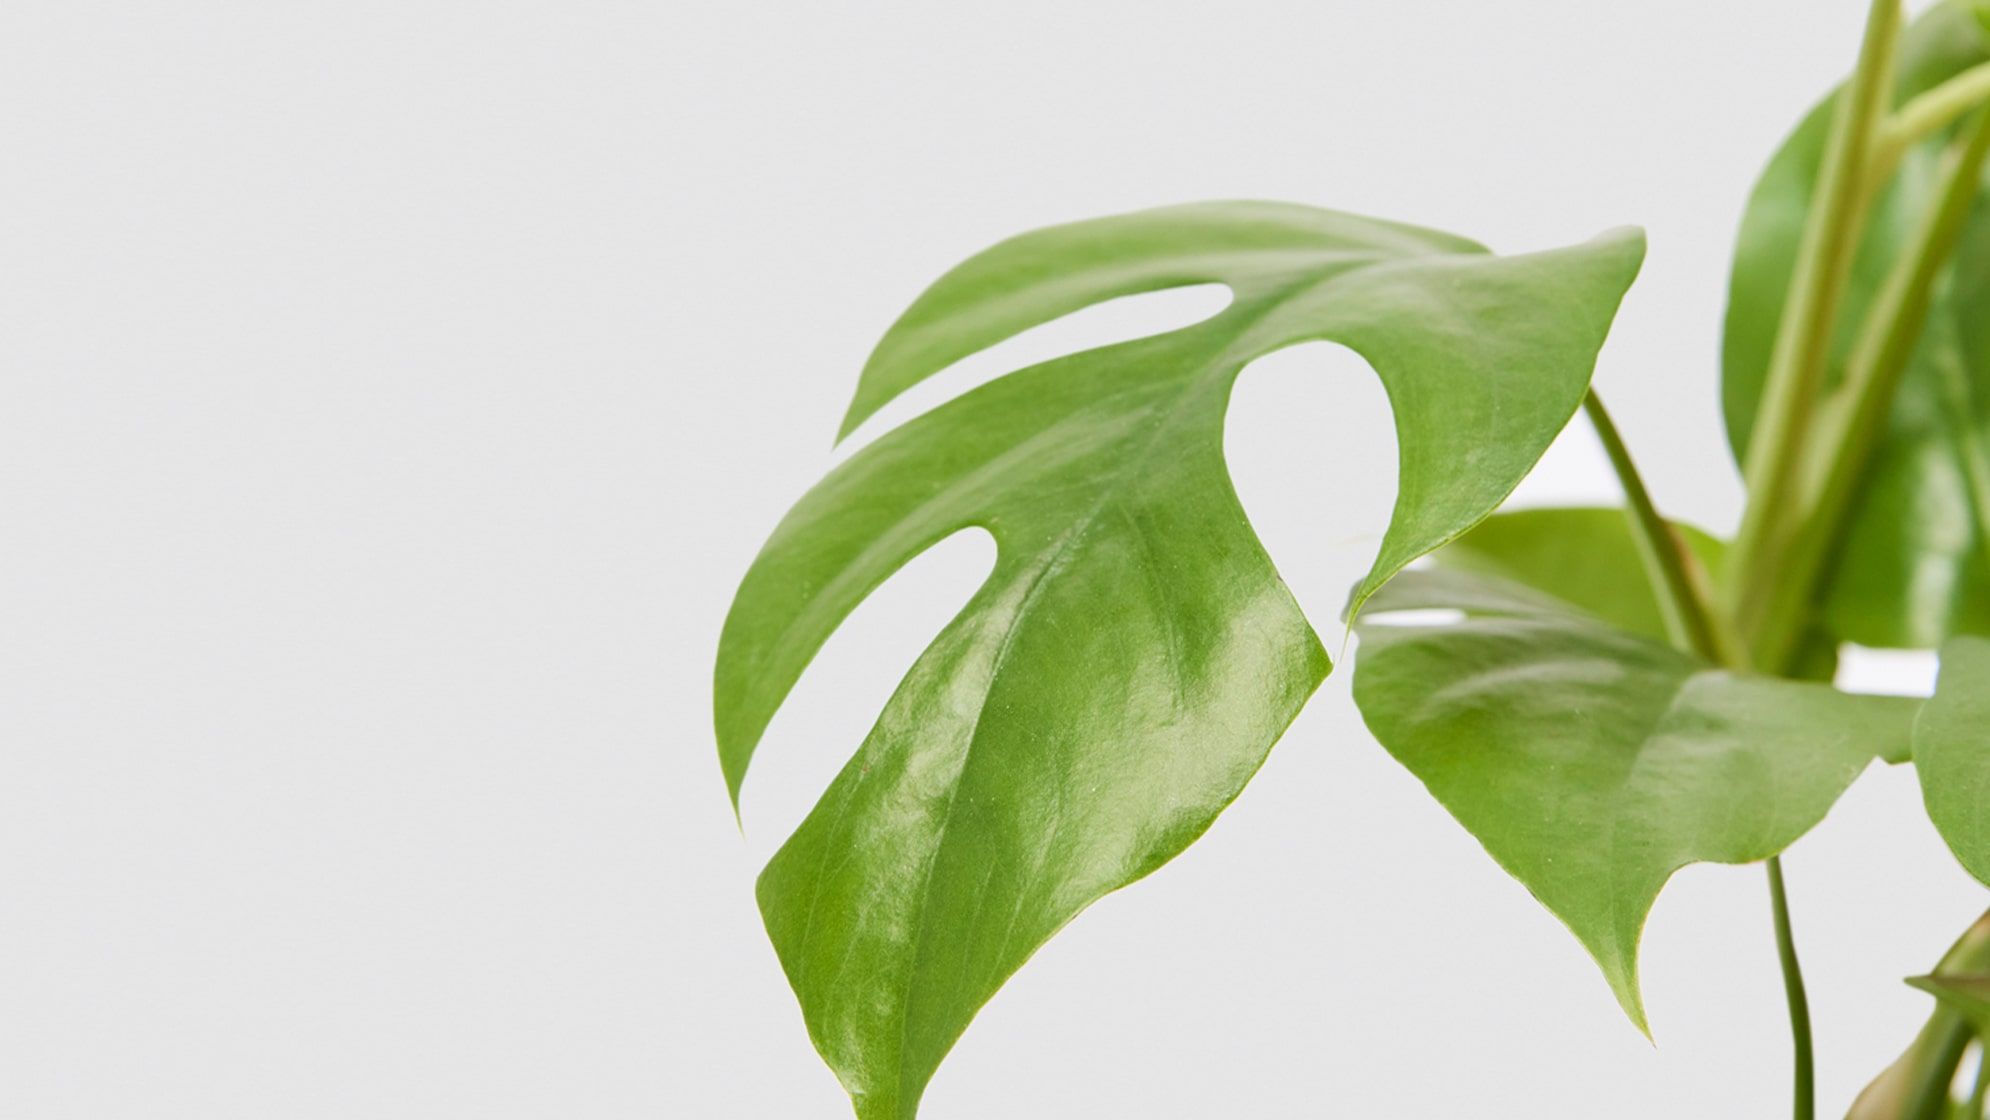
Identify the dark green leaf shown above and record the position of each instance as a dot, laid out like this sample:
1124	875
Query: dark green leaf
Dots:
1133	655
1592	762
1952	753
1913	568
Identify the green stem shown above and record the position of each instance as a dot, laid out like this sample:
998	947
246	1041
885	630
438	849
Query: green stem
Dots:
1670	567
1979	1090
1798	361
1855	416
1786	952
1697	626
1927	114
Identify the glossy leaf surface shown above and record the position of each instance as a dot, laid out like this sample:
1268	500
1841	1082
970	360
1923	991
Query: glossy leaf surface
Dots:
1593	762
1952	753
1913	567
1133	655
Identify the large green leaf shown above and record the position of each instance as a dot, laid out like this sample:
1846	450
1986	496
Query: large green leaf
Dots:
1593	762
1585	556
1134	655
1913	566
1952	753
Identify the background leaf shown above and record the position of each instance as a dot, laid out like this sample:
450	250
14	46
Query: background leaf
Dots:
1582	555
1912	569
1952	753
1593	762
1133	655
1586	557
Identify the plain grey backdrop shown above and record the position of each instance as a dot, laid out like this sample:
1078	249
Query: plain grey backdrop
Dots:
391	394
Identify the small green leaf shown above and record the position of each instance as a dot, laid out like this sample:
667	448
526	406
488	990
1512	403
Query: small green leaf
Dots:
1969	995
1593	762
1952	753
1912	568
1134	655
1586	556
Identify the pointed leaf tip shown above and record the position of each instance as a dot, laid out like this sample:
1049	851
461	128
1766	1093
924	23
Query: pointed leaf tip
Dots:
1592	762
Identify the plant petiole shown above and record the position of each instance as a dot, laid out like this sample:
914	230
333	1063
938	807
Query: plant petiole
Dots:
1927	114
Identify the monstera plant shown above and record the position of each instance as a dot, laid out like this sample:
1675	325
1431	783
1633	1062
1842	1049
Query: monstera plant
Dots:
1600	696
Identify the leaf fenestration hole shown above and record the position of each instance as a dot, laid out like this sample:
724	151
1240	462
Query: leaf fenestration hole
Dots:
837	700
1311	446
1886	672
1102	324
1431	618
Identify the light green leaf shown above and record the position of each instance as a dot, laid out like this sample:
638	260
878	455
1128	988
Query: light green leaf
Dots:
1913	567
1134	655
1952	753
1586	556
1592	762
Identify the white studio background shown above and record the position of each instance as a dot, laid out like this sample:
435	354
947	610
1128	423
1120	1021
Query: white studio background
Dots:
391	395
